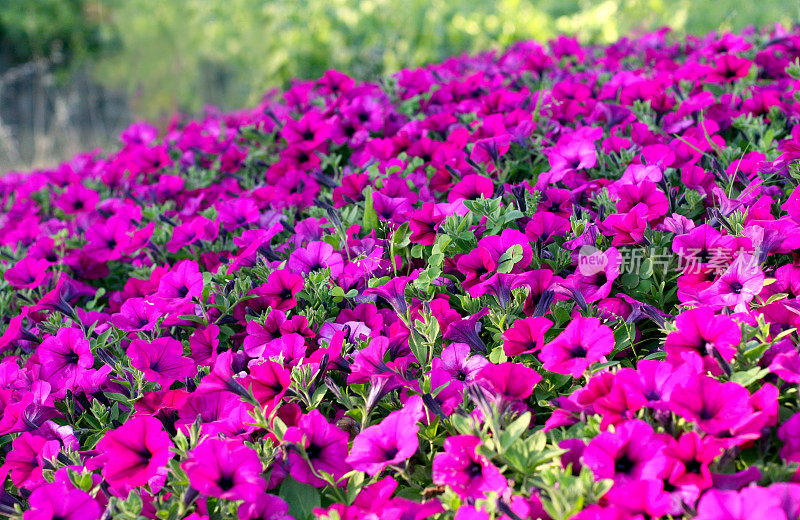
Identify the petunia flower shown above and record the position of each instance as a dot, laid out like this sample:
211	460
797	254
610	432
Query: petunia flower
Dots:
631	452
180	285
161	360
265	507
525	336
225	468
324	444
59	501
691	455
136	314
508	381
389	442
65	357
135	452
714	338
280	290
27	273
714	406
751	503
583	342
468	473
738	285
466	331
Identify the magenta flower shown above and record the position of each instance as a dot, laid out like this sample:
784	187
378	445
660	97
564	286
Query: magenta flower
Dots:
692	455
77	199
394	293
162	360
583	342
194	230
424	223
472	186
594	281
627	228
136	314
28	273
25	461
468	473
135	452
509	381
789	433
714	406
59	501
738	285
65	357
183	283
457	362
751	503
315	256
281	289
631	452
225	469
526	336
642	498
203	344
268	381
702	332
390	442
324	444
466	331
265	507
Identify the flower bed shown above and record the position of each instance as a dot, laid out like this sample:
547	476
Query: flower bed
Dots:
560	282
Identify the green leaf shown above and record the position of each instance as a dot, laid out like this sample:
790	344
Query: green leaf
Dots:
370	221
301	498
748	377
509	259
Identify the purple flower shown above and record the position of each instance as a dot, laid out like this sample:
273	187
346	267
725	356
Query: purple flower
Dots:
468	473
583	342
225	469
390	442
324	444
135	452
58	501
162	360
631	452
751	503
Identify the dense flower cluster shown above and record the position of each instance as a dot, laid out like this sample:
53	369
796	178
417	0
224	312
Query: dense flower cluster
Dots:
558	282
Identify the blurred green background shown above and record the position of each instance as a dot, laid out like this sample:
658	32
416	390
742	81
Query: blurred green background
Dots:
73	72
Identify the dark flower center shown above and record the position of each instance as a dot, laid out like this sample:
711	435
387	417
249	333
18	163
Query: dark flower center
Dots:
578	351
225	482
145	455
313	451
391	453
652	395
183	291
286	294
474	469
624	465
693	466
736	287
72	358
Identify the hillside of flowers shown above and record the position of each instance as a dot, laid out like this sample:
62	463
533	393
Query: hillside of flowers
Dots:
558	282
